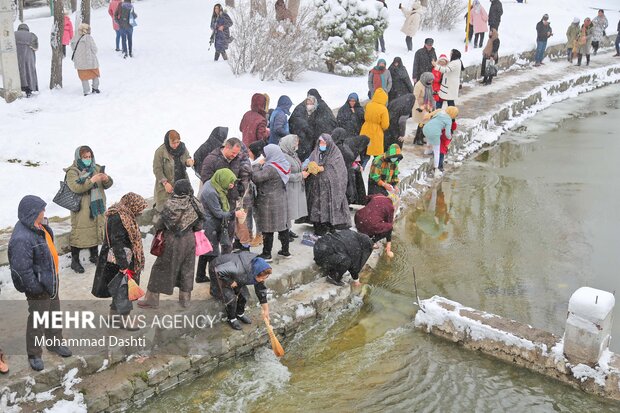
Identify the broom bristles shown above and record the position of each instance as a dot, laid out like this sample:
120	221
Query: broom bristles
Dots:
275	343
134	290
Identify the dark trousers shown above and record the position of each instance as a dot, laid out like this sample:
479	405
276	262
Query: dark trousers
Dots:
380	40
450	103
409	42
41	303
471	32
268	241
236	307
127	38
223	53
479	36
595	46
321	228
118	39
618	43
441	156
64	50
386	235
201	269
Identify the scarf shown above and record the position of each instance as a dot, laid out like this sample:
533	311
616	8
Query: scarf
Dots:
220	181
179	165
378	77
276	159
427	81
97	206
128	208
289	145
488	49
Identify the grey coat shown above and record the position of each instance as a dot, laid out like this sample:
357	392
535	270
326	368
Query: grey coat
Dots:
27	44
85	56
213	217
270	205
296	190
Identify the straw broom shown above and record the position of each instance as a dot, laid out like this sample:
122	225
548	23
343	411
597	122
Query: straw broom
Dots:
134	292
275	344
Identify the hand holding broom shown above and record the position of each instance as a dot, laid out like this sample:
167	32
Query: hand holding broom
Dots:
134	291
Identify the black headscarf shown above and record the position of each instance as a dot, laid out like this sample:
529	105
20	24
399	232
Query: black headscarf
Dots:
183	187
179	165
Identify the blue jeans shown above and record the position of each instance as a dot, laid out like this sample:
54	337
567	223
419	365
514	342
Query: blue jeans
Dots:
540	50
118	39
127	36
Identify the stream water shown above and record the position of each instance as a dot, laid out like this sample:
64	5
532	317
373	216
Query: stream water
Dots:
513	232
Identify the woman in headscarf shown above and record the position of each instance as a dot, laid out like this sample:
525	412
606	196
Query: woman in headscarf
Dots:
356	188
296	187
339	136
84	177
181	217
489	53
383	176
328	208
424	103
401	82
379	77
215	141
169	164
271	175
121	251
351	115
27	44
218	214
85	59
376	120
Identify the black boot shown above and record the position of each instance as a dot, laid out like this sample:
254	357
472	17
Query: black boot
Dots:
224	56
419	136
283	236
75	260
267	246
587	60
217	56
201	271
94	254
579	56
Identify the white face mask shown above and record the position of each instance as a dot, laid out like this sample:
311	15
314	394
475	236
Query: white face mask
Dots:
310	108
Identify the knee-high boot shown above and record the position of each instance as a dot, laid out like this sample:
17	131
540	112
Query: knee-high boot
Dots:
94	254
579	56
587	60
75	260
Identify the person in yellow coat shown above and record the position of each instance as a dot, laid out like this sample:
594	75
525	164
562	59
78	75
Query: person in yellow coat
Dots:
376	120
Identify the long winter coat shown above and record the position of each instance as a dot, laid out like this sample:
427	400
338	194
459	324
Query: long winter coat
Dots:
112	10
310	127
85	56
67	33
438	123
571	35
584	40
399	110
163	168
295	187
376	217
236	267
413	18
253	126
418	95
215	141
214	216
117	239
599	24
479	19
222	38
30	260
401	82
495	13
423	62
343	251
270	204
451	80
85	231
377	119
327	190
349	119
175	267
27	44
356	188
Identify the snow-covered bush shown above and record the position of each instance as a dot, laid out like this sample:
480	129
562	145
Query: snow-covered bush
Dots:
443	14
273	50
348	29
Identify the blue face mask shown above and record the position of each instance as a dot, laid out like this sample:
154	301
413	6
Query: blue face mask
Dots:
322	148
87	162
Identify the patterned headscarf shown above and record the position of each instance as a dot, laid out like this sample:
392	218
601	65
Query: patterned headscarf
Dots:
128	208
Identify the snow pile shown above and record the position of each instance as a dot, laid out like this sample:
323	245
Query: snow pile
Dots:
77	405
599	373
436	315
591	304
303	311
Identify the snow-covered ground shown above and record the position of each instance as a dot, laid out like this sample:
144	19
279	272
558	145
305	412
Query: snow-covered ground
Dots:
173	83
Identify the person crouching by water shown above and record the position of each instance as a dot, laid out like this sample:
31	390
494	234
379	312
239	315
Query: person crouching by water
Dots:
122	251
33	260
86	178
182	215
340	252
230	276
376	220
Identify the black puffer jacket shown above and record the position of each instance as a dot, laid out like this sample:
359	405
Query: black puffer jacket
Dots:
216	140
401	82
30	260
236	267
343	251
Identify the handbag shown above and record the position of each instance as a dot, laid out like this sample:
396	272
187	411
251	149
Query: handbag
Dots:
132	20
119	291
157	246
203	246
66	198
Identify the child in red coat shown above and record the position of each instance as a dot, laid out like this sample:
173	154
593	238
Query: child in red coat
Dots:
443	60
67	32
445	144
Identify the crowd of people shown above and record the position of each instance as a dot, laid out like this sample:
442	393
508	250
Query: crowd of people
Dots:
306	167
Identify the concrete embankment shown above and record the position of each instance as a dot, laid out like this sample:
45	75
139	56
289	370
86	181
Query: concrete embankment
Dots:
115	379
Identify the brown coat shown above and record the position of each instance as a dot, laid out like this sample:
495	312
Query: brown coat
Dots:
163	168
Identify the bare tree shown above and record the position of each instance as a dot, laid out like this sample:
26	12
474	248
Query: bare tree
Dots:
230	3
293	7
20	7
85	10
258	6
56	41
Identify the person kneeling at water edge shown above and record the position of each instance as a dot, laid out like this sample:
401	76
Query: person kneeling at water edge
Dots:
340	252
230	275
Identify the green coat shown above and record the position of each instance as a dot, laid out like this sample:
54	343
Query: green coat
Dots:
163	168
85	232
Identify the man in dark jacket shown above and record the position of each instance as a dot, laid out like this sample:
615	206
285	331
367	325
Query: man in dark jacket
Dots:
340	252
215	141
351	115
278	120
543	33
230	276
34	269
495	14
423	59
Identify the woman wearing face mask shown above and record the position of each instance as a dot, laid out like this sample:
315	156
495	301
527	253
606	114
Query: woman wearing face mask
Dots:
84	177
328	208
383	176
